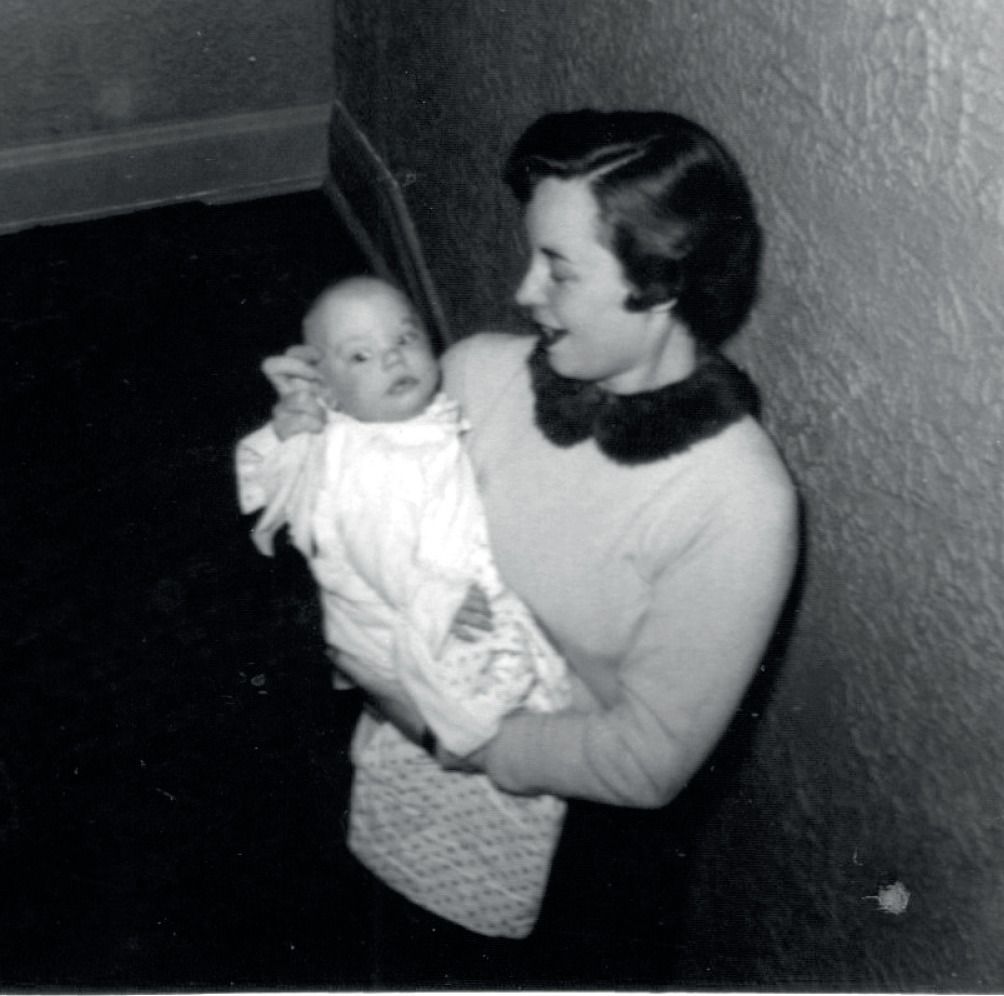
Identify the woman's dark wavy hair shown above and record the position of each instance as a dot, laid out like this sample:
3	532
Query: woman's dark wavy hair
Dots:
673	203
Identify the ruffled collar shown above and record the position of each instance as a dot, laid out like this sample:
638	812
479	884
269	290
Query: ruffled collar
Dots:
442	413
640	428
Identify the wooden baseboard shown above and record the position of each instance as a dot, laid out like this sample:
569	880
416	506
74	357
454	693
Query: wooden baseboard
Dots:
215	160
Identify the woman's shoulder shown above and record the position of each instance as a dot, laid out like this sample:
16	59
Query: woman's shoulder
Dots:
743	477
742	463
482	360
487	348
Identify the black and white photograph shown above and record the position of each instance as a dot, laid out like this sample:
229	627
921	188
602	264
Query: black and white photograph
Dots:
502	496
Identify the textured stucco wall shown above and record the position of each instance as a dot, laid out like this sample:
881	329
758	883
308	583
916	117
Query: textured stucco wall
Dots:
873	133
71	68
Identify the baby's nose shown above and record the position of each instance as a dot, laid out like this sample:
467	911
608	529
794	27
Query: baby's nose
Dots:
393	356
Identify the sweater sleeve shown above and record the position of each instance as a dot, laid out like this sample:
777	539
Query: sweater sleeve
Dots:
711	615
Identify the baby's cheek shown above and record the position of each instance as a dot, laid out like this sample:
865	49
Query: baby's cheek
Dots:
329	387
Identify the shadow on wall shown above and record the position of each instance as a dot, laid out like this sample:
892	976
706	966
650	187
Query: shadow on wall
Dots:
871	135
370	203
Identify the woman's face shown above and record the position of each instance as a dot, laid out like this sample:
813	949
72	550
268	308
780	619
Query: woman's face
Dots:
575	290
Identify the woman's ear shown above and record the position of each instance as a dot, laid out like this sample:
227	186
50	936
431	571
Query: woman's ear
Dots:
659	294
663	307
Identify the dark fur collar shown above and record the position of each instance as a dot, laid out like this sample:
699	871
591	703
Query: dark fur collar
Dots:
640	428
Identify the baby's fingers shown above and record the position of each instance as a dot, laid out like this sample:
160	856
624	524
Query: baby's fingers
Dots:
297	412
304	351
295	370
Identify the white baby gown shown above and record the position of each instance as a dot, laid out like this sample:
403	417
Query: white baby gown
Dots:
390	521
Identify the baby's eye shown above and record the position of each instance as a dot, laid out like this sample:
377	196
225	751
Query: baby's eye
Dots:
360	357
407	337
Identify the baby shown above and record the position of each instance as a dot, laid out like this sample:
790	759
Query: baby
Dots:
383	505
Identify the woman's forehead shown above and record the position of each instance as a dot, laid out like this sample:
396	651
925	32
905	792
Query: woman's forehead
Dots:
560	206
563	219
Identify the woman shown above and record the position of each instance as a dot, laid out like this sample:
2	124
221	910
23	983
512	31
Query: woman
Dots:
633	500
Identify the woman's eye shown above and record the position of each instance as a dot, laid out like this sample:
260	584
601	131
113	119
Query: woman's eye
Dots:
407	337
359	357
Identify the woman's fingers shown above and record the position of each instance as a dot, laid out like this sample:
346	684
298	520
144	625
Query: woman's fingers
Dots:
478	605
474	617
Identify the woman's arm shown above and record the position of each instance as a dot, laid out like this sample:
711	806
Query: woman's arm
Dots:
709	622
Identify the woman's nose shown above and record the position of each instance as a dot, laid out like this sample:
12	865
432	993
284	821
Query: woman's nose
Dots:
528	291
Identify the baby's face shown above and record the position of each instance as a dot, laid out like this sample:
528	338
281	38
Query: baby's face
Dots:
377	363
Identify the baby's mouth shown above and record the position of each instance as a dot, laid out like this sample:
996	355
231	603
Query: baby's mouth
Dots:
403	384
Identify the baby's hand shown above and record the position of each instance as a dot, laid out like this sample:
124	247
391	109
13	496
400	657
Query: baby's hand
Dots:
294	371
474	617
296	379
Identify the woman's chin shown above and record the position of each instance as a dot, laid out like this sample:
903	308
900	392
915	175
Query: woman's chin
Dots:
563	364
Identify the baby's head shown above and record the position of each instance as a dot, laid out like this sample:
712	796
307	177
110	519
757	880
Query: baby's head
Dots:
377	363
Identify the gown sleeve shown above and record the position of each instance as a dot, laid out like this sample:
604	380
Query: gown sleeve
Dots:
250	458
278	477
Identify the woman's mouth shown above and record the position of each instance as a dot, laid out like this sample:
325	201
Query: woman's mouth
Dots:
551	336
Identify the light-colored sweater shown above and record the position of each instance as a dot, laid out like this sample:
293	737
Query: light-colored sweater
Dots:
659	583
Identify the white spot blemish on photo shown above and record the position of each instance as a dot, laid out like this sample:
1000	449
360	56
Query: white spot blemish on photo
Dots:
893	898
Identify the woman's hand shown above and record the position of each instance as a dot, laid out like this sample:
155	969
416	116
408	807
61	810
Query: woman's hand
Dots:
296	380
389	699
471	764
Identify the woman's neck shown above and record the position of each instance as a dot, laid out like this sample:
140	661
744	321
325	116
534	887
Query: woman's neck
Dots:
674	358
